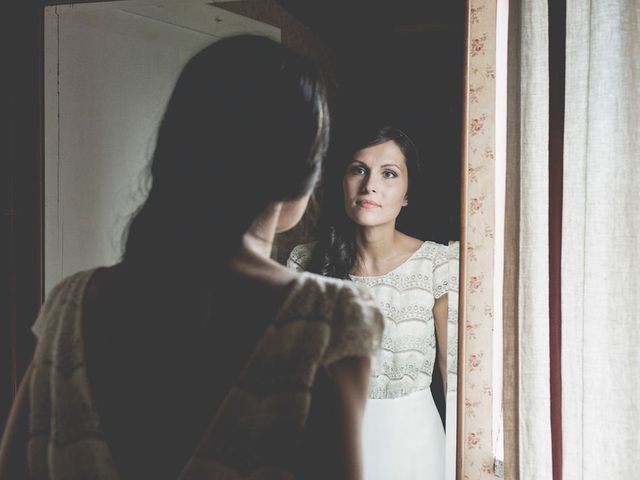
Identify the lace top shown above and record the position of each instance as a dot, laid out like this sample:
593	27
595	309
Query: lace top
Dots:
406	297
260	419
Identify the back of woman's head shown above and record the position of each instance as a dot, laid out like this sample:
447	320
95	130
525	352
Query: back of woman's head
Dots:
246	125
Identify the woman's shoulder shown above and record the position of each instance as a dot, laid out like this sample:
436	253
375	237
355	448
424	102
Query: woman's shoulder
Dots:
431	251
349	311
426	249
72	284
322	296
445	252
69	292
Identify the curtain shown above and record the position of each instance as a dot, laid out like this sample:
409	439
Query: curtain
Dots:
526	395
601	241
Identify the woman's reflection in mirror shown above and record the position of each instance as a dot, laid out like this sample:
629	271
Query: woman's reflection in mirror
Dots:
369	182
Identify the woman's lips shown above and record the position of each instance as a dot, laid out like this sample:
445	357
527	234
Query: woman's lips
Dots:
368	204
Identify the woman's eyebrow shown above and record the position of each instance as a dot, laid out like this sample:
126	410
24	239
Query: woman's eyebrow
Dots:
386	165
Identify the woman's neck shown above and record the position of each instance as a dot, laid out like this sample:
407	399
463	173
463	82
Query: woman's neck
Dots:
253	260
376	247
258	240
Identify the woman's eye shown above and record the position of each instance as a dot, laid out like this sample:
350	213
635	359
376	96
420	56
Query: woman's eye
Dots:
389	174
357	170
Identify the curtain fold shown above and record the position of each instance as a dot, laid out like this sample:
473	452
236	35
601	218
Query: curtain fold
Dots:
601	241
526	396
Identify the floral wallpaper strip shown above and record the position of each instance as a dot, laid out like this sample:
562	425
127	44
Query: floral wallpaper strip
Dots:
476	425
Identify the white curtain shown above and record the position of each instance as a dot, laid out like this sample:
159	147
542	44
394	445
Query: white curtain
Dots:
601	242
527	435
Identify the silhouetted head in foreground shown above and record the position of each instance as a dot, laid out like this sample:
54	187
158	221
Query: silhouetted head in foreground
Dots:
246	125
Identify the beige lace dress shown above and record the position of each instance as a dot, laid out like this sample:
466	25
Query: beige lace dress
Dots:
322	320
403	436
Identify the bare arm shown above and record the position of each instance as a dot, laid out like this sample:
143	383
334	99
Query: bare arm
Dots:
333	446
13	448
351	379
440	315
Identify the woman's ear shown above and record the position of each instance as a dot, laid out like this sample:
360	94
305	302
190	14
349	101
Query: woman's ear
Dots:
406	201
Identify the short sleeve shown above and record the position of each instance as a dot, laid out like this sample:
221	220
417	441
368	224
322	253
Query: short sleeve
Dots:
452	321
299	257
453	256
441	272
68	293
356	327
53	298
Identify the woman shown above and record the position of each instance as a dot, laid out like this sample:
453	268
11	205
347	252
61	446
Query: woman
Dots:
197	356
359	240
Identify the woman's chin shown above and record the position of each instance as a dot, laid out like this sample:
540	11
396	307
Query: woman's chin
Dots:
369	219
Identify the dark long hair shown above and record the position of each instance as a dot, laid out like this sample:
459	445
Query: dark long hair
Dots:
246	125
335	252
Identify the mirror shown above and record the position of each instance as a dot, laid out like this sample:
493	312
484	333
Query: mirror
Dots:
400	64
110	67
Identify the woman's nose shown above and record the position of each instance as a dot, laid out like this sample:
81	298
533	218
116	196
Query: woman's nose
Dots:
368	185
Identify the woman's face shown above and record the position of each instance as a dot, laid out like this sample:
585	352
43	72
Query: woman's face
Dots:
375	185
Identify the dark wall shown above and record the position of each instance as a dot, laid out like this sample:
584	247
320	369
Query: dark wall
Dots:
414	81
20	192
399	61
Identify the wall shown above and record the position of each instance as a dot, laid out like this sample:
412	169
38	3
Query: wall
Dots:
109	71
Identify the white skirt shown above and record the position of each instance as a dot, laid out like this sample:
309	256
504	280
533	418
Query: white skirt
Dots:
403	439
